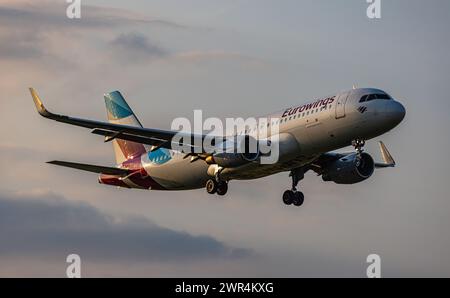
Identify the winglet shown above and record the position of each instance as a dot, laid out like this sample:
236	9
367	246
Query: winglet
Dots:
387	157
39	105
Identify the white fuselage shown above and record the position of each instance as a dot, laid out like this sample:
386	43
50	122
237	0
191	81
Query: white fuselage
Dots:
305	132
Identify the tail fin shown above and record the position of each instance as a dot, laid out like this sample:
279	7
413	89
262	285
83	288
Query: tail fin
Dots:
119	112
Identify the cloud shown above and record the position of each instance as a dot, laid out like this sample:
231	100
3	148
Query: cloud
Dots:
44	224
21	46
136	45
52	15
41	29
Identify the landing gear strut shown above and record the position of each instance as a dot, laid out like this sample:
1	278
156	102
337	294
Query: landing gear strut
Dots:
293	196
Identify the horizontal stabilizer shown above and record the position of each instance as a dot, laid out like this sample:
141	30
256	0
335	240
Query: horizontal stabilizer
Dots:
91	168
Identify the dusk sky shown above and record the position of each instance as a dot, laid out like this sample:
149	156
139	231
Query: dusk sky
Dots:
233	58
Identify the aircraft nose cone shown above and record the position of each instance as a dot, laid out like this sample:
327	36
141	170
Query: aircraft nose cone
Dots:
397	112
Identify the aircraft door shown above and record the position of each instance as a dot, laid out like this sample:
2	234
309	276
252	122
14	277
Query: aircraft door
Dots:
340	105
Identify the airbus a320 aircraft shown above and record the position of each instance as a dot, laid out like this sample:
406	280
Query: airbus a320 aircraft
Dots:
307	135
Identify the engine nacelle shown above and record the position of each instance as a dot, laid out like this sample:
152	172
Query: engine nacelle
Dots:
236	153
350	169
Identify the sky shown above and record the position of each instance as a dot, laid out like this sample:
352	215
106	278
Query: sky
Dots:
235	58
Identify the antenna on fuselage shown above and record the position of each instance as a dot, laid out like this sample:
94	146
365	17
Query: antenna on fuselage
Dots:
354	87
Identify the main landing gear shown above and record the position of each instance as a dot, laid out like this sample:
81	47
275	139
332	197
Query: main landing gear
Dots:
294	197
216	186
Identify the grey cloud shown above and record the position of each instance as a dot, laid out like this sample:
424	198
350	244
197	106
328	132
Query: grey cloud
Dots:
49	226
53	13
136	45
12	46
44	33
27	31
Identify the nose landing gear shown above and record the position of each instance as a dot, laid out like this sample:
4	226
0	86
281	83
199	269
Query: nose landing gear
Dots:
358	144
294	197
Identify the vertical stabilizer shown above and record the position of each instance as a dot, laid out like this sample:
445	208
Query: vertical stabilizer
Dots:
119	112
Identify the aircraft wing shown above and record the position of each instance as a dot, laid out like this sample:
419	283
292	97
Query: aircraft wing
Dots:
153	137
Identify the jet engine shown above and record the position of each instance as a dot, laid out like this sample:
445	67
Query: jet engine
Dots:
236	152
350	169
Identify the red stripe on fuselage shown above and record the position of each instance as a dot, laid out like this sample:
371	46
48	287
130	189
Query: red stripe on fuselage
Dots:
141	177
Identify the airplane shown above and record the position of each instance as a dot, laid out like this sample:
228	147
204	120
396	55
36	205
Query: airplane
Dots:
308	136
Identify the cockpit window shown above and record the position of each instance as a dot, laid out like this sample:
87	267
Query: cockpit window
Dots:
364	98
370	97
384	96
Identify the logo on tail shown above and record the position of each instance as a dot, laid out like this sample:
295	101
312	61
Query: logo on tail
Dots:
119	112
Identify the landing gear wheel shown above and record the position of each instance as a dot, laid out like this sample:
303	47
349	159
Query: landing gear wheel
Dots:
293	196
288	197
211	186
299	198
222	188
